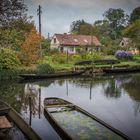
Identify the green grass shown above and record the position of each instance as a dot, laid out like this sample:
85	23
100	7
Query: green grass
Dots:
59	67
69	66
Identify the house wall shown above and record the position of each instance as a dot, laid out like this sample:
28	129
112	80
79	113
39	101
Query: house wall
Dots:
69	49
54	43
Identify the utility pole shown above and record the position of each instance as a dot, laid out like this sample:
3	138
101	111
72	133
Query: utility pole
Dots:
92	48
39	15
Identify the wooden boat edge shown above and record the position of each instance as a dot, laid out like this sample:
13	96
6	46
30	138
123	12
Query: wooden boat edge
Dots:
121	70
25	128
55	124
55	75
21	123
63	134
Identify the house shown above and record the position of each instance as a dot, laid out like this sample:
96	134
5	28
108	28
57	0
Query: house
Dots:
68	43
126	42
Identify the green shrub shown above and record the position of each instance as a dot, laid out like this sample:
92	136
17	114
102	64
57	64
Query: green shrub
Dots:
96	56
54	51
7	74
45	60
8	59
76	57
45	69
60	58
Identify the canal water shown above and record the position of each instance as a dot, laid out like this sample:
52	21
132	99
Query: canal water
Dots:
114	99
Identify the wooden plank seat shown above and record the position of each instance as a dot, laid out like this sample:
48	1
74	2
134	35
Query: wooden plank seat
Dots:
4	123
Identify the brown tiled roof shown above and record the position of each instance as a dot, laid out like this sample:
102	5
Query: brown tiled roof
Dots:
77	40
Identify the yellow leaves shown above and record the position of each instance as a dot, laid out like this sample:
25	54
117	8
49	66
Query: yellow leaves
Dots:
31	47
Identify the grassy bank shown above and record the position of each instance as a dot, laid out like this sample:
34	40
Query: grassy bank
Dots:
53	64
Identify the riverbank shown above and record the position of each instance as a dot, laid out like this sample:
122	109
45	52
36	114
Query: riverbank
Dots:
89	70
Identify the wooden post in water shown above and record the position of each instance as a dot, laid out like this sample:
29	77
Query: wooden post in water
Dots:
39	109
30	109
90	96
67	87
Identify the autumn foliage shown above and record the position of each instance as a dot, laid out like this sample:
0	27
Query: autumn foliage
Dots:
30	50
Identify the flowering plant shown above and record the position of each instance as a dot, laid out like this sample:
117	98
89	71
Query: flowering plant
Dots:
123	55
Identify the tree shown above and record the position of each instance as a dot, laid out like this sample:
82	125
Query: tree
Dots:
11	39
45	43
117	21
75	26
14	36
85	29
8	59
103	33
101	28
24	24
10	10
81	27
133	31
135	14
30	50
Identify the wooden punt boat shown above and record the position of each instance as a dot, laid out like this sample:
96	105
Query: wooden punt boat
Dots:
12	124
53	75
121	70
72	122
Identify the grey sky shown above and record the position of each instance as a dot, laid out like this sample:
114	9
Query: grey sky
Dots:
57	15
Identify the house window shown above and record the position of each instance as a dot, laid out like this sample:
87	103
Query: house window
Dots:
71	49
122	43
54	40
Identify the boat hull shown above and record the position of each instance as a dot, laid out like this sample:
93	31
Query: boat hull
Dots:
121	70
63	132
13	116
55	75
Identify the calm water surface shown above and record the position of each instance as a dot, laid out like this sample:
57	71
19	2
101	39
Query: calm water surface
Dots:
114	98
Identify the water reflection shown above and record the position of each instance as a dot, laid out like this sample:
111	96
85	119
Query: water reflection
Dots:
31	101
114	99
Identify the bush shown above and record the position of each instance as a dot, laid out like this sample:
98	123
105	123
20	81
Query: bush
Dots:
8	59
96	56
75	57
60	58
54	51
123	55
45	69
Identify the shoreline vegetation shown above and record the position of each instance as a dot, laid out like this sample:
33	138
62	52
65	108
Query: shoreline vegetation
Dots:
13	74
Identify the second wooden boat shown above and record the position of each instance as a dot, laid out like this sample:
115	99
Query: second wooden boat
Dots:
53	75
13	126
72	122
121	70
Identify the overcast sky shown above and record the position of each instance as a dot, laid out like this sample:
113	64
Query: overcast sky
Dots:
57	15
